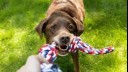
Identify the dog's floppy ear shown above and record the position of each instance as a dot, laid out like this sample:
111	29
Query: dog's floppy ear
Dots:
79	25
40	28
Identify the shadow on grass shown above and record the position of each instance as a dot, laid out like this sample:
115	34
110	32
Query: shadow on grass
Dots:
103	14
22	13
65	63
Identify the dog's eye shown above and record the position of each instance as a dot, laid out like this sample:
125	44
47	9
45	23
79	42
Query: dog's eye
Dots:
53	27
70	26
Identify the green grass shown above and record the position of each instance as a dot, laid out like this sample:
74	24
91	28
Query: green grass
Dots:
105	25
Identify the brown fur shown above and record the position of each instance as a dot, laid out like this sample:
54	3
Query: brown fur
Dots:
64	19
71	11
74	8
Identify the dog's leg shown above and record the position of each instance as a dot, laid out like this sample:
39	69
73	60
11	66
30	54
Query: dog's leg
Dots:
75	58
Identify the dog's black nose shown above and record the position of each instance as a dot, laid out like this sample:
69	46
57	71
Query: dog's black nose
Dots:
65	39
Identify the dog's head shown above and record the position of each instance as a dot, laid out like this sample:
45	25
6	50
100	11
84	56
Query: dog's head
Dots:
60	28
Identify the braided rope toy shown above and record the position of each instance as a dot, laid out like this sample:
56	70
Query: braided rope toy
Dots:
49	51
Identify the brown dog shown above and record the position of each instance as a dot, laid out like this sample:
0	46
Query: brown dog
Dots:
64	19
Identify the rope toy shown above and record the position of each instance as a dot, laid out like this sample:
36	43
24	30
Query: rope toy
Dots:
50	68
49	51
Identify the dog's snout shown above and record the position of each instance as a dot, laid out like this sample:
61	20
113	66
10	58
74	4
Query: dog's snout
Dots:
64	39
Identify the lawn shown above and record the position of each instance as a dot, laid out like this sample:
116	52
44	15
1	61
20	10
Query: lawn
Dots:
105	25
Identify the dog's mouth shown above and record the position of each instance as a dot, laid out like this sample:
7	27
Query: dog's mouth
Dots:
63	47
62	50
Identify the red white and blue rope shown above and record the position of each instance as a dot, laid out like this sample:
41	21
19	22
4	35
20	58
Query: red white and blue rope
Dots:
49	52
86	48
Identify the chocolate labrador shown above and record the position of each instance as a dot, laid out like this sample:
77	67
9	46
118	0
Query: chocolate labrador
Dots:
64	19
